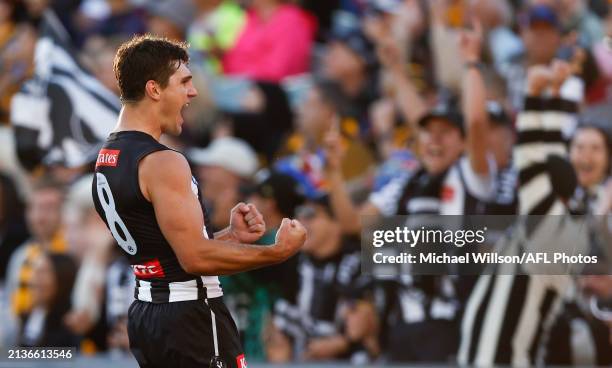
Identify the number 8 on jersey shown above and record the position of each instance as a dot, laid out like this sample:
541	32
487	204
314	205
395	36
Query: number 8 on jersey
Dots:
112	217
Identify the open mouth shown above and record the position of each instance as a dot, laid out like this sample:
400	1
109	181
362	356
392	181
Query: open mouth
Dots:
435	151
183	109
585	168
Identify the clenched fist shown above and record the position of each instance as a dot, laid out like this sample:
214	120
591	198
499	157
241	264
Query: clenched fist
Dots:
246	223
290	237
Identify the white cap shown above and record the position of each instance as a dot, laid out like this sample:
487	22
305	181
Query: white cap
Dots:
230	153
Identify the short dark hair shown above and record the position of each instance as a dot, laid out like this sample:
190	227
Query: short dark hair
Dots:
332	96
587	124
48	182
145	58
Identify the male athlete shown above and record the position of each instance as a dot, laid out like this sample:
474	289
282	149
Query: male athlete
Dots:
147	196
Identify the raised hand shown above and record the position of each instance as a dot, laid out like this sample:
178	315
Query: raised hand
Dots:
560	71
334	152
290	237
539	78
389	54
246	223
470	42
437	9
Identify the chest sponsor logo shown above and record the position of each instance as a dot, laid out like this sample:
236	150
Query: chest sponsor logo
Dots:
108	157
241	361
148	270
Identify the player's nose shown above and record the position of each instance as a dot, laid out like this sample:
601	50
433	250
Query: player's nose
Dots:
192	92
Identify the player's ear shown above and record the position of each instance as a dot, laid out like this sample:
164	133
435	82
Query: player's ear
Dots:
153	90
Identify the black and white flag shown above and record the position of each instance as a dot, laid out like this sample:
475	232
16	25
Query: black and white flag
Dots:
63	113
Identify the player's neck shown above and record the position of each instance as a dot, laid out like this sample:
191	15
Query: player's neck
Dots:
141	118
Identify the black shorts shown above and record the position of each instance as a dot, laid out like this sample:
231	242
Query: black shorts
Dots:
180	334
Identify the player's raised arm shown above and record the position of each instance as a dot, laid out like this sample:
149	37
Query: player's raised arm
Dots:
165	180
474	99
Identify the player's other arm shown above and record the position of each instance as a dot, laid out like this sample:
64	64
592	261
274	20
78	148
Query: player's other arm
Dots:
165	179
475	100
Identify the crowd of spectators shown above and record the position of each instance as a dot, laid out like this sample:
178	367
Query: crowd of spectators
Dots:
333	112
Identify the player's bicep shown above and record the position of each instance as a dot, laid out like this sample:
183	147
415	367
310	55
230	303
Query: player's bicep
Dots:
177	208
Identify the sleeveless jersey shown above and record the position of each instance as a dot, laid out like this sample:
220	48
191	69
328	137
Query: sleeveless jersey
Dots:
131	219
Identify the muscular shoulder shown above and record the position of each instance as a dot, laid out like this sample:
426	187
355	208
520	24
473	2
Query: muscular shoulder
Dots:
163	169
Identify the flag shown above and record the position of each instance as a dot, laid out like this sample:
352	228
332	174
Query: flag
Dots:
62	113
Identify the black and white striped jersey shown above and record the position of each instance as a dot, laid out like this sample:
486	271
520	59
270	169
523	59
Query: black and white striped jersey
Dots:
324	284
505	198
131	219
578	339
508	317
457	191
589	200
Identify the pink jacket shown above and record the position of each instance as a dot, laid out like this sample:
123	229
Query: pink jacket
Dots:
273	50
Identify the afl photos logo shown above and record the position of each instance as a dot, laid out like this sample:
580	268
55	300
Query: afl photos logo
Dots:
108	157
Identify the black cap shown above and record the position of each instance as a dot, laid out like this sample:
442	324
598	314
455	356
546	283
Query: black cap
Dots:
355	40
447	111
283	189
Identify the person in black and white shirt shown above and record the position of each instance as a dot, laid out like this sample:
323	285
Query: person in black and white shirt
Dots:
330	286
508	317
455	178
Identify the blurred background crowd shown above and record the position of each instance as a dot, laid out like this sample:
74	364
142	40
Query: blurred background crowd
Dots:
314	109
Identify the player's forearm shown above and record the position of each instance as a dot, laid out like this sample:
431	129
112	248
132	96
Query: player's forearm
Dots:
215	257
342	205
225	235
409	101
474	103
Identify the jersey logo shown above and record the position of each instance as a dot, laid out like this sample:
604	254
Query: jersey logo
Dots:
241	361
447	193
149	270
108	157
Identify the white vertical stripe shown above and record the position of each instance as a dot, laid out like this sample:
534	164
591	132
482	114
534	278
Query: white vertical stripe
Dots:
582	344
214	329
306	288
494	318
528	322
385	199
467	324
455	205
412	306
